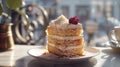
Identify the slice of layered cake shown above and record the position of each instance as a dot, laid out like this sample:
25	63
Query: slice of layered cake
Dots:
64	37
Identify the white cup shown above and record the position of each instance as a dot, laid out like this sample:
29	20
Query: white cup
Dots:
115	34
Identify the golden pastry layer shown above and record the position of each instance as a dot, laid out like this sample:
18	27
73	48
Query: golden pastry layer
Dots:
63	52
65	32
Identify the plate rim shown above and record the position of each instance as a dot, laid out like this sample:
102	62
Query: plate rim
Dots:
65	59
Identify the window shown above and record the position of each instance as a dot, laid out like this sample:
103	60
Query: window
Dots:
83	12
65	11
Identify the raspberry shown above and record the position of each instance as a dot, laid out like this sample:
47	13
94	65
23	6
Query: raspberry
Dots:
74	20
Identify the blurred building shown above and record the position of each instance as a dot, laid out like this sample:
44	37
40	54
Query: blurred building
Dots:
90	8
85	9
104	12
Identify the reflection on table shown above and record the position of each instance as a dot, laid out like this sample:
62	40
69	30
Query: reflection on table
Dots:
39	63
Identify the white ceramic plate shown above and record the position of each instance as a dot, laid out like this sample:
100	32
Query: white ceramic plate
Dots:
43	56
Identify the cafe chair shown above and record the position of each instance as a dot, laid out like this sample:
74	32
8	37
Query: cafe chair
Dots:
34	32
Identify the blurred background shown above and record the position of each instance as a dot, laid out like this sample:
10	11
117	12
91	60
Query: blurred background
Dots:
98	18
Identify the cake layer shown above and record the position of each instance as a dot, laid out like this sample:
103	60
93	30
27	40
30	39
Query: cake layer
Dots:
64	37
63	52
64	31
67	42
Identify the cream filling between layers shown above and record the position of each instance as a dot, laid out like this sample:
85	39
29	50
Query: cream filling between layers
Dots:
65	38
64	47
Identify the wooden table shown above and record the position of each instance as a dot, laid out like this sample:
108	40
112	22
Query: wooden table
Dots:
19	58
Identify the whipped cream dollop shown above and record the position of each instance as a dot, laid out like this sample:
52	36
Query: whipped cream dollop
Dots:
60	20
63	22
